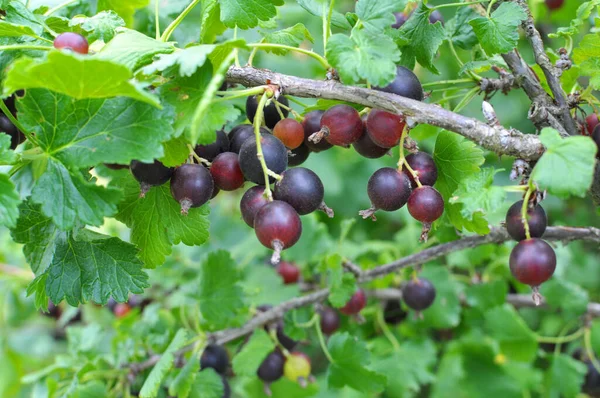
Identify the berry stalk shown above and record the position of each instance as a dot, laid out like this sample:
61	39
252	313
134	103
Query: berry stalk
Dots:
402	161
322	340
17	124
259	152
524	211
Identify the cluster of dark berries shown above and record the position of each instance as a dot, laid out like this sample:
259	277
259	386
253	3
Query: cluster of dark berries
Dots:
532	260
215	357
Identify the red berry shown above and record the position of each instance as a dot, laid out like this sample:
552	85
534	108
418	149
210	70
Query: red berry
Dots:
591	121
289	272
330	320
278	227
226	172
121	309
425	167
385	128
211	151
419	294
536	218
365	145
532	261
72	41
342	125
311	125
357	302
290	132
554	4
252	201
425	204
191	186
596	138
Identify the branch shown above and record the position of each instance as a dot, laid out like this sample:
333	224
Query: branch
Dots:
497	139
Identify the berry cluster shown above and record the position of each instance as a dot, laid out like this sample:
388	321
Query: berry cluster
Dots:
215	357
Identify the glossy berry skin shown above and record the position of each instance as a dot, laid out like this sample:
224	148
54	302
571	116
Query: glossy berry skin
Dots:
424	165
330	320
596	138
153	174
191	186
357	302
275	155
536	218
289	272
240	134
121	309
311	125
436	16
343	124
298	156
252	201
554	4
532	261
271	368
393	312
272	116
365	145
591	121
388	189
401	18
418	294
72	41
425	204
301	188
7	127
385	128
216	357
290	132
277	222
297	366
406	84
211	151
226	172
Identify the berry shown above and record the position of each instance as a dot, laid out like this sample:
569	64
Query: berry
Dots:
290	132
297	367
289	272
532	261
216	191
365	145
271	368
275	156
72	41
596	138
393	312
252	201
340	125
191	186
330	320
302	189
241	134
401	18
226	388
406	84
425	167
272	116
536	219
137	301
591	121
357	302
226	172
7	127
150	174
385	128
554	4
419	294
591	385
298	156
215	356
278	227
312	125
211	151
54	311
436	16
287	342
388	190
121	309
425	204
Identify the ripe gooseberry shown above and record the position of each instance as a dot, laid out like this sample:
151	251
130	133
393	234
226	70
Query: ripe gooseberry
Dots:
289	272
191	186
303	190
215	357
419	294
406	84
312	125
72	41
388	190
240	134
298	156
252	201
365	145
385	128
271	114
422	163
554	4
290	132
274	153
226	172
211	151
536	218
532	261
150	174
357	302
330	320
277	226
425	204
340	125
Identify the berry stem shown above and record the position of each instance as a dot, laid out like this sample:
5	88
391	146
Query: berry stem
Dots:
447	82
312	54
17	124
524	211
25	47
278	107
258	119
198	158
230	95
515	188
287	108
173	25
327	27
561	339
402	161
322	339
587	339
386	330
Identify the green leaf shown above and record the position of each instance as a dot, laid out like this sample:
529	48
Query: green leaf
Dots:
456	159
292	37
77	76
188	60
95	131
176	152
445	311
7	155
583	14
364	55
565	376
245	14
318	7
219	293
587	56
449	376
247	361
342	285
8	29
125	9
164	364
477	194
567	166
565	295
211	21
376	15
487	295
182	385
460	31
17	13
423	38
156	221
101	26
499	34
9	202
208	384
350	365
133	49
516	340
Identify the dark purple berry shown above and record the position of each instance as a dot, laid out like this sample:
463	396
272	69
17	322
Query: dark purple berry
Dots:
406	84
401	18
298	156
425	167
191	186
366	147
216	357
271	368
7	127
536	218
532	261
425	204
301	188
596	138
275	156
150	174
393	312
226	171
419	294
241	134
312	125
436	16
388	190
211	151
72	41
272	116
252	201
277	226
330	320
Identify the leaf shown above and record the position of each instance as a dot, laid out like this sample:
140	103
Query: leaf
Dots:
342	285
456	159
499	34
487	295
516	340
17	13
423	38
363	56
211	21
7	155
9	202
176	152
245	14
565	376
133	49
349	367
460	31
565	295
376	15
247	361
73	199
318	7
208	384
189	60
567	167
583	13
101	26
156	221
164	364
219	293
445	311
125	9
182	385
587	57
95	131
292	36
477	194
8	29
77	76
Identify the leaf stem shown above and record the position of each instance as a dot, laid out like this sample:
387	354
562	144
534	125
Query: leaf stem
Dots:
312	54
489	9
59	6
156	19
230	95
446	82
259	152
25	47
465	101
173	25
386	330
17	124
237	51
297	101
561	339
458	4
524	211
322	340
515	188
